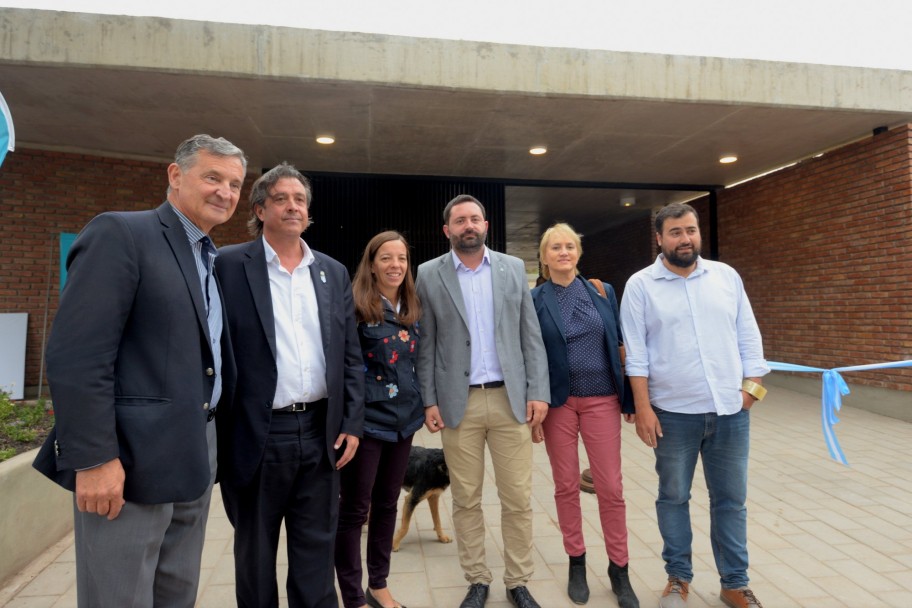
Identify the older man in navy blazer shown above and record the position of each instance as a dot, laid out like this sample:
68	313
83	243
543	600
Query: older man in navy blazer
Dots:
298	410
137	361
484	377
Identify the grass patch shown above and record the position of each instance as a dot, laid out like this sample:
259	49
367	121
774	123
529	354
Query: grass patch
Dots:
23	425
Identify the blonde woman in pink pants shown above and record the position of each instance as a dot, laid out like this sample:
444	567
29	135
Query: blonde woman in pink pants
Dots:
581	331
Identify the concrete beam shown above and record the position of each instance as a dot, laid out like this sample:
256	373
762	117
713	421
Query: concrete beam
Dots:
259	51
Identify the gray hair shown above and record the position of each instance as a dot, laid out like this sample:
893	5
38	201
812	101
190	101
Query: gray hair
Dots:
189	149
259	192
185	157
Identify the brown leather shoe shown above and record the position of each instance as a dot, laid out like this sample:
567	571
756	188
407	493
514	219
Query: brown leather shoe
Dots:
586	483
740	598
675	594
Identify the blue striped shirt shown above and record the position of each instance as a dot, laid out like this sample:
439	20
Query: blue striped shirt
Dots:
214	312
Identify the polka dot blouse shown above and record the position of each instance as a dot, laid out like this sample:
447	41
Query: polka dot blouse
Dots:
584	330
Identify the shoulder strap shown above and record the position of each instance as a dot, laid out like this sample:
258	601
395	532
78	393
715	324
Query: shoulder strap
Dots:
599	287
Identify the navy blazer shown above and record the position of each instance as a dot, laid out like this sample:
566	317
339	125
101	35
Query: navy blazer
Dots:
129	361
244	428
552	327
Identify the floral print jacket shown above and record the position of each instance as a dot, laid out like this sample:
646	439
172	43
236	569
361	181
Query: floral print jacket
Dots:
393	406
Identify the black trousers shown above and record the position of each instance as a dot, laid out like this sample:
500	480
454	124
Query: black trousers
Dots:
295	483
371	482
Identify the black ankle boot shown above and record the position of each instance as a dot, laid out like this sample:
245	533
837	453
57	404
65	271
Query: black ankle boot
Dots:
577	587
620	584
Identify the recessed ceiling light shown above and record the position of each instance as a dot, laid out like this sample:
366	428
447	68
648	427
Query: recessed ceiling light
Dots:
728	158
326	140
538	150
628	201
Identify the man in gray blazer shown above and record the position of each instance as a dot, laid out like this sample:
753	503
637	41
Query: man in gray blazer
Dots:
137	361
484	378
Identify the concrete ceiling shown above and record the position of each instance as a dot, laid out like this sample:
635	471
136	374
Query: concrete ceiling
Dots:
599	148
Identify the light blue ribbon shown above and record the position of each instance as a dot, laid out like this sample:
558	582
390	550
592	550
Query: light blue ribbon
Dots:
834	387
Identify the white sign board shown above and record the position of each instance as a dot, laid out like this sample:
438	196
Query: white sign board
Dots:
13	328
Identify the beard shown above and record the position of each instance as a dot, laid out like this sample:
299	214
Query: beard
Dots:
682	260
468	242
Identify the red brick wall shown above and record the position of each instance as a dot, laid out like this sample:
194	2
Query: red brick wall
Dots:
824	247
825	251
45	193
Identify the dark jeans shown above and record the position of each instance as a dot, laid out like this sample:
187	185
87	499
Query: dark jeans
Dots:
371	481
297	483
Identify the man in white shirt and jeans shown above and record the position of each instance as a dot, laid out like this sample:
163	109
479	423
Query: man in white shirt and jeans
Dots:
695	360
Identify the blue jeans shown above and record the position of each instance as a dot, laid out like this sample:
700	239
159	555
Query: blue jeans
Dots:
723	443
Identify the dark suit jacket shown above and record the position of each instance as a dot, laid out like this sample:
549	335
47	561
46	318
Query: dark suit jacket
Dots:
552	326
129	361
242	271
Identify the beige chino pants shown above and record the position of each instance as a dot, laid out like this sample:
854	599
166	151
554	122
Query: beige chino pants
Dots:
489	419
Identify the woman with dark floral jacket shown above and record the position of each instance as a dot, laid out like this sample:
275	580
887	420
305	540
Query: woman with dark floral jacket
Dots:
387	308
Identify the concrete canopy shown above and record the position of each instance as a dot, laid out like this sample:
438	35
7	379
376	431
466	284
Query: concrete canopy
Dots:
615	124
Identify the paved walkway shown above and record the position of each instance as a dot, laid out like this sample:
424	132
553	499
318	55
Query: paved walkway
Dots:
821	534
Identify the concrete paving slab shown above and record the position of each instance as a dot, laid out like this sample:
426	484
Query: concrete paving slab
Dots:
820	534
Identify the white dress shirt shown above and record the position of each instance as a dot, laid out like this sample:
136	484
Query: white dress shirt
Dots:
695	338
300	359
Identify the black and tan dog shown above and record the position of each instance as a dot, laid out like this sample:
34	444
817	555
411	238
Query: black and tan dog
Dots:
426	477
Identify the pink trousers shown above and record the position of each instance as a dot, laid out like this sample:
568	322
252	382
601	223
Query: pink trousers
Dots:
598	421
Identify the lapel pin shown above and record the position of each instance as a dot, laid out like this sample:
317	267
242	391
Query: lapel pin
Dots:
322	276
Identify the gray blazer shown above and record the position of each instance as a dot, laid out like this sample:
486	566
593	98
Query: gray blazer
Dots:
444	357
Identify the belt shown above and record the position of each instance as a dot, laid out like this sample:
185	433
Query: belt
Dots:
495	384
211	415
299	407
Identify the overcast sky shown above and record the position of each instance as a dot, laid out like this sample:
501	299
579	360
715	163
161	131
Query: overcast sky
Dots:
871	33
